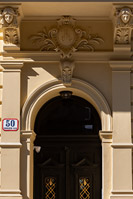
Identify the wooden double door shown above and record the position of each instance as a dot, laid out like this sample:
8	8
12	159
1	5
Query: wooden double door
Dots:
67	167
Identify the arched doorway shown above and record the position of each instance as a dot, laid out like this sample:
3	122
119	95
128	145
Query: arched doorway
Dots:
69	163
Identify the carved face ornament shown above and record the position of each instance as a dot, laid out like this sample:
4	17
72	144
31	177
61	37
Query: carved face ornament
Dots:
125	15
8	15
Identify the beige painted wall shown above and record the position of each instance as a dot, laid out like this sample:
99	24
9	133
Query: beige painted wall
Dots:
35	74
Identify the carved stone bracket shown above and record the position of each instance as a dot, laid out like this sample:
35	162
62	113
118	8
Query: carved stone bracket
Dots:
67	67
65	38
9	25
123	27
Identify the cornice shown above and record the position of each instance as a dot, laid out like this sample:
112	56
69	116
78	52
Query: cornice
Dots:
88	57
53	18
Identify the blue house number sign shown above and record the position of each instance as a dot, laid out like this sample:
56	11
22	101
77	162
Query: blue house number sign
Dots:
10	124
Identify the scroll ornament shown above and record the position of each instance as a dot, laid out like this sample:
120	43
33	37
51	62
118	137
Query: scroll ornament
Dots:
66	38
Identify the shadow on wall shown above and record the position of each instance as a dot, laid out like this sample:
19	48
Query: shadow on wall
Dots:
34	75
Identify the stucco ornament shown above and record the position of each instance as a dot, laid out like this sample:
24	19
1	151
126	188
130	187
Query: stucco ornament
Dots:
67	67
125	15
123	25
8	17
122	36
11	36
9	25
66	38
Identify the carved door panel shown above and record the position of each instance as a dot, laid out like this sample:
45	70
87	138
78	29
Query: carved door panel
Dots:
68	168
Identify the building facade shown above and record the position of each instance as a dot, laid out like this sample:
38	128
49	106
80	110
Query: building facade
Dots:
66	100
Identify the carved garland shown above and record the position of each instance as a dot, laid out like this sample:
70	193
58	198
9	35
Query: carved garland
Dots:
66	38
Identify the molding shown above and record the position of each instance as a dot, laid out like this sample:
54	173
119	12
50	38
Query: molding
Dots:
10	145
106	136
53	18
122	145
51	89
11	66
10	191
32	56
122	191
124	66
28	136
122	47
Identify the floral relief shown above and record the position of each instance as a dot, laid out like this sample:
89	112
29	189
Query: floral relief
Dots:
66	38
122	36
11	36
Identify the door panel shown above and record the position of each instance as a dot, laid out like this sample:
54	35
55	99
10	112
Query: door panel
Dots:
69	163
70	168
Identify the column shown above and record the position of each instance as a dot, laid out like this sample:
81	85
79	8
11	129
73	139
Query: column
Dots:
10	140
122	145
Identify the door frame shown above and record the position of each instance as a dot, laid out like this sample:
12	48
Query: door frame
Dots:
30	109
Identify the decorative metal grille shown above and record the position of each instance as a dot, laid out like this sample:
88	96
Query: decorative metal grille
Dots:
84	188
50	188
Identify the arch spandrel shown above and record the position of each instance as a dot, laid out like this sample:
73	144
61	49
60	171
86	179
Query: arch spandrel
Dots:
79	88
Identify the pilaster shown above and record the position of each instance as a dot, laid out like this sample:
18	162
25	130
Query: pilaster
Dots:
10	140
121	145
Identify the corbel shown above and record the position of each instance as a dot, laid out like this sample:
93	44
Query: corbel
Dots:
10	26
123	25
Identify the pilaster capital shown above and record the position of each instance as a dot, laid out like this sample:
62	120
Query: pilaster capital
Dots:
106	136
12	66
121	65
28	136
